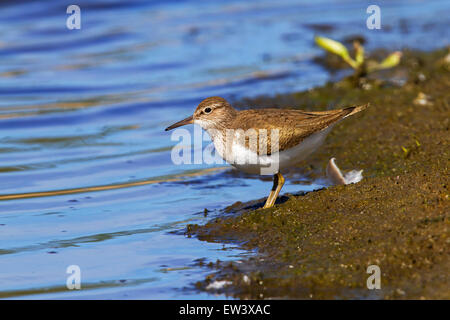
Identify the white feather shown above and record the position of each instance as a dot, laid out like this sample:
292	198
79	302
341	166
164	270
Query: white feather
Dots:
334	174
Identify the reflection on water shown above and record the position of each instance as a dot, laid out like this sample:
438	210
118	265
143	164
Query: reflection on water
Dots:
105	187
85	170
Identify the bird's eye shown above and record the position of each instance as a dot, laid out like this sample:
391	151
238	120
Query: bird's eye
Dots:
207	110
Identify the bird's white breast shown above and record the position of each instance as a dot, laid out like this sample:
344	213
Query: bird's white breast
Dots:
249	161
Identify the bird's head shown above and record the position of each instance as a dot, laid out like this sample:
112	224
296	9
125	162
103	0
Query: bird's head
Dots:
211	113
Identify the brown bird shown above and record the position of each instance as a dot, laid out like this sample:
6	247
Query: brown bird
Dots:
264	141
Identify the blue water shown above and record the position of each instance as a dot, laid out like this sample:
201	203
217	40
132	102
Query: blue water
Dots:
87	108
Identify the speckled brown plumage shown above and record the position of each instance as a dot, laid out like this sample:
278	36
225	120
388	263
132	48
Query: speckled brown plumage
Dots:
293	125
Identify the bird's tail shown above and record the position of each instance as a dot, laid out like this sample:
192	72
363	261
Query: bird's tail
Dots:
355	109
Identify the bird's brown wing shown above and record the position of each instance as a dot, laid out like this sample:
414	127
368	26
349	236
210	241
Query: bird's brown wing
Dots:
293	125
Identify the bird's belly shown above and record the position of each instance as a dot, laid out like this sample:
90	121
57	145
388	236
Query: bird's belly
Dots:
248	161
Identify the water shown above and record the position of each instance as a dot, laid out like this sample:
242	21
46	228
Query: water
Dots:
86	176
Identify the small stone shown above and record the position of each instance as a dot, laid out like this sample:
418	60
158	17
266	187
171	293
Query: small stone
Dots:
400	292
422	99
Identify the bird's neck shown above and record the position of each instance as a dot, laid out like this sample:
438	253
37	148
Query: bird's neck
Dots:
222	130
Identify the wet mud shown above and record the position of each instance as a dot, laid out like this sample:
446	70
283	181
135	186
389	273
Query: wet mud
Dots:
319	245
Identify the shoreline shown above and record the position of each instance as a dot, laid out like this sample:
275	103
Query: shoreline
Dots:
318	245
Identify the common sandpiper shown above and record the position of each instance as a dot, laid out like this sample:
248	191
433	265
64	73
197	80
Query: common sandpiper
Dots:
264	141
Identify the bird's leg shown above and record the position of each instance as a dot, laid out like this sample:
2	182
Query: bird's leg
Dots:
279	186
278	182
269	203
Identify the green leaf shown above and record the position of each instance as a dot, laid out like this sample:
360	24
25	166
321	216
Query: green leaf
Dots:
336	48
391	61
359	53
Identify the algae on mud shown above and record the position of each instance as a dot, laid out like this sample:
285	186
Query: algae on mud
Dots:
319	244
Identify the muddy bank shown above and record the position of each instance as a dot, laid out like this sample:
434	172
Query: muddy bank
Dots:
319	244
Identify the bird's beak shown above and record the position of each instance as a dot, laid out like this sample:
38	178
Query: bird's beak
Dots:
188	120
